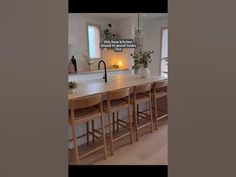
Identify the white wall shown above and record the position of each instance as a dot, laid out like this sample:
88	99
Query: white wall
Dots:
152	40
78	35
125	28
152	37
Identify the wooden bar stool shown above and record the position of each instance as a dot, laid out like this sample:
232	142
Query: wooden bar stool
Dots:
159	91
118	100
81	111
142	94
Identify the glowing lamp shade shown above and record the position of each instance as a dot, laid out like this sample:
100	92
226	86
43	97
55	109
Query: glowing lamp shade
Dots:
119	63
138	32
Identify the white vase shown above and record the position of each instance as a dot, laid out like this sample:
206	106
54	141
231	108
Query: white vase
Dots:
144	72
136	71
71	91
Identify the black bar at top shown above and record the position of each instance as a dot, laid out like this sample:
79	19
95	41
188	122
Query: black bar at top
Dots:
117	6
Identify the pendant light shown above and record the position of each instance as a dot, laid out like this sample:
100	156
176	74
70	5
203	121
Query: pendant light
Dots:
139	37
138	31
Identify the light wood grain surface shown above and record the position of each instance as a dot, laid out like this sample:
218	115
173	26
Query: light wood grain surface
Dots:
90	87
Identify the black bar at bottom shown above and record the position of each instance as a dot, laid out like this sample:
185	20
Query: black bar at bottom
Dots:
118	170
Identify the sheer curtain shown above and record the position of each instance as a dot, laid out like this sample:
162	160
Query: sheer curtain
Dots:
164	52
94	41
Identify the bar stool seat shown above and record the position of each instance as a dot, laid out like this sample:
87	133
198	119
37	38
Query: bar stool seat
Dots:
83	111
115	105
86	114
159	94
140	97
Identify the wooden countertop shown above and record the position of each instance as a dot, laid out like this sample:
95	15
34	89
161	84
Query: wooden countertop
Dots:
95	86
97	71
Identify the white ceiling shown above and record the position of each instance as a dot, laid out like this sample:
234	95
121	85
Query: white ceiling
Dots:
127	15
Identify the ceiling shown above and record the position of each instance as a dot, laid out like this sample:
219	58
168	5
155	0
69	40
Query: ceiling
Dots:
127	15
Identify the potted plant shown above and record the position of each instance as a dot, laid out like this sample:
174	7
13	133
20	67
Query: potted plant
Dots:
141	61
107	33
136	65
72	85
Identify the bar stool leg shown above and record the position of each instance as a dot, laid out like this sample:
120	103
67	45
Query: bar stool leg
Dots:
130	126
93	131
135	121
138	114
87	129
117	119
150	113
76	151
167	108
155	113
110	131
113	123
103	138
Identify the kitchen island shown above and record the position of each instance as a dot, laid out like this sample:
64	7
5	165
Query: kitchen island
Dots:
98	86
95	86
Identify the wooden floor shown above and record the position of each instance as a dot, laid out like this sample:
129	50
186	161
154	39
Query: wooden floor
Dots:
152	149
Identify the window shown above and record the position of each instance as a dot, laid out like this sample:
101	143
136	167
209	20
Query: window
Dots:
94	41
164	52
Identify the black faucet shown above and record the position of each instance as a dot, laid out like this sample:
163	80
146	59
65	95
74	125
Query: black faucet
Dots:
105	68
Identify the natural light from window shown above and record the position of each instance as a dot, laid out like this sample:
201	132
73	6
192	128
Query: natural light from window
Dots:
94	41
164	52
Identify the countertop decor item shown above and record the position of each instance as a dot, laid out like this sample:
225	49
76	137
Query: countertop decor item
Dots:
89	61
136	65
72	65
72	85
116	66
73	61
141	61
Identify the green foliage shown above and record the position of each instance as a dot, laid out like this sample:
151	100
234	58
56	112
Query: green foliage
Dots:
107	34
142	59
72	84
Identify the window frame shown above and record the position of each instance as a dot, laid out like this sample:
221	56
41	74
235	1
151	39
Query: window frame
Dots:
99	27
162	29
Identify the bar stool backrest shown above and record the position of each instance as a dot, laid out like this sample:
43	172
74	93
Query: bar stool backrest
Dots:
142	88
161	85
85	102
118	94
